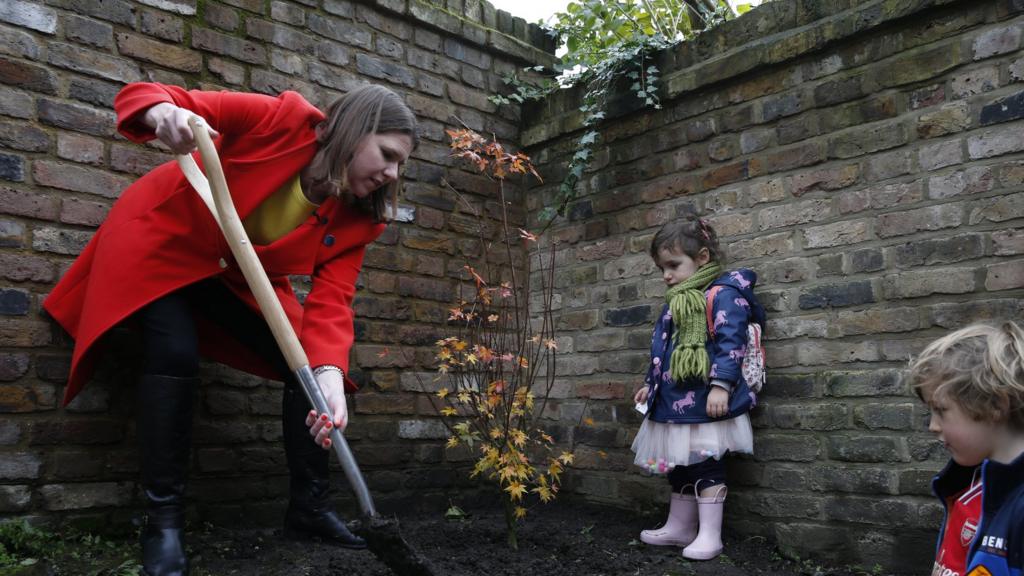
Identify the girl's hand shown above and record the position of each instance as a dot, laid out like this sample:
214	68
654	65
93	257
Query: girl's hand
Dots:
170	124
321	425
718	402
641	395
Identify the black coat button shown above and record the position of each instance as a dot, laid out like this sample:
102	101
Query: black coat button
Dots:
329	240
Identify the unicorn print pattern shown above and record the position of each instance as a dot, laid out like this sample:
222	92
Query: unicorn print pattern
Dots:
739	278
683	403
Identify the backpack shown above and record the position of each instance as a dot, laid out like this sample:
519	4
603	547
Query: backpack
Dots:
753	361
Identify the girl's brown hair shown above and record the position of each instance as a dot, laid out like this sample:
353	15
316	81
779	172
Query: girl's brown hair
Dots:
688	235
980	367
366	110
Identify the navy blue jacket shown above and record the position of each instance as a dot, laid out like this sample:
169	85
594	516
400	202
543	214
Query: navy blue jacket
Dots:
735	306
998	546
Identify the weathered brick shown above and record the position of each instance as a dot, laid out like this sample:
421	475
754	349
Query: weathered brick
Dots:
867	139
14	302
953	315
792	447
341	30
15	498
1008	242
20	268
422	430
162	25
93	63
997	41
92	91
911	221
876	416
781	160
29	15
20	466
82	495
212	41
88	31
842	233
889	165
169	55
810	416
868	510
998	209
12	168
630	316
16	104
78	178
79	148
876	321
865	383
70	242
940	155
1004	275
995	143
864	448
794	213
916	283
973	180
938	251
27	76
830	178
76	117
23	136
12	367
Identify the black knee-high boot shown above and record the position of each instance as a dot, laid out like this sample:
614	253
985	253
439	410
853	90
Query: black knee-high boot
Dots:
164	429
310	514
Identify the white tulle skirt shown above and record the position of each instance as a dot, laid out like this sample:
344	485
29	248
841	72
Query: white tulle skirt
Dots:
659	446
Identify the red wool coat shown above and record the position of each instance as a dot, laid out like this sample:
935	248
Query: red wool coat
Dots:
159	236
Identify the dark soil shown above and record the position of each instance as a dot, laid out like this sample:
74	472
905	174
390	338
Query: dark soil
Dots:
562	538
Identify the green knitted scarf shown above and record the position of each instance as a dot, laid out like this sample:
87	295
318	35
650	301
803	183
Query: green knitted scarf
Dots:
688	307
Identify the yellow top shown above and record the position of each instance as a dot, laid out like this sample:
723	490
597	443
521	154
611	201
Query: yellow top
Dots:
279	214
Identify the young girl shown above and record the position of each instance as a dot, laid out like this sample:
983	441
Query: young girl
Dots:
696	394
973	383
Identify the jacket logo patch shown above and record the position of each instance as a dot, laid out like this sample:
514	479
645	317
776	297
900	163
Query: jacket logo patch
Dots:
979	571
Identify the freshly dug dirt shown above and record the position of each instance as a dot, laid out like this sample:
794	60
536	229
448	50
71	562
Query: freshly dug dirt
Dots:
563	538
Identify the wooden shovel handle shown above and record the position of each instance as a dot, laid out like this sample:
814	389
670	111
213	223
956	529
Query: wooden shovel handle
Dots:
244	253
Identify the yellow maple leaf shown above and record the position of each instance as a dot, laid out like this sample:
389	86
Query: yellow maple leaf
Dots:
520	512
443	392
566	458
516	490
452	442
449	411
544	493
588	421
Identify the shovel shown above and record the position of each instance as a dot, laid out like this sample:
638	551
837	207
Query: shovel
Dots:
382	535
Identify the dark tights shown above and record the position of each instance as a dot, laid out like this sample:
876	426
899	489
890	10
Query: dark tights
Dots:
710	472
170	335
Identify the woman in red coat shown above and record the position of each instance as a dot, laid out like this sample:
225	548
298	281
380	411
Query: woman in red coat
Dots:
312	189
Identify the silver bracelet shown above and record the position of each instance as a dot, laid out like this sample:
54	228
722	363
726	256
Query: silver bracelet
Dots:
327	368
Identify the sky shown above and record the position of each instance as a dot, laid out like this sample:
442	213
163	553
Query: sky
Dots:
534	10
531	10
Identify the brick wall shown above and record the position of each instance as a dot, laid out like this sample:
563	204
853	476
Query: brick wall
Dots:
62	165
865	158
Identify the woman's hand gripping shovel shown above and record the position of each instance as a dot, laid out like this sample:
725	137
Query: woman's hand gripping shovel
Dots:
382	535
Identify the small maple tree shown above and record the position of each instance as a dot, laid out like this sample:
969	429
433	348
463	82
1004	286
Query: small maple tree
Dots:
500	362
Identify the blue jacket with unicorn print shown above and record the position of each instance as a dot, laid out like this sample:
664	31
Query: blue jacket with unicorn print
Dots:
734	307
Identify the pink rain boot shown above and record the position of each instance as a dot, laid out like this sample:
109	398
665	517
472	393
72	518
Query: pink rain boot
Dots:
708	543
681	526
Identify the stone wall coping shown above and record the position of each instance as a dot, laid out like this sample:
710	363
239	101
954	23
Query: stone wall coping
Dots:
770	34
480	23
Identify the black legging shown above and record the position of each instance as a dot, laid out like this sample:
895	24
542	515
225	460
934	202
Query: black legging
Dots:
170	336
710	472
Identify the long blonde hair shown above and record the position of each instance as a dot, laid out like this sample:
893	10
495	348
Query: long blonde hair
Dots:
980	367
369	109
